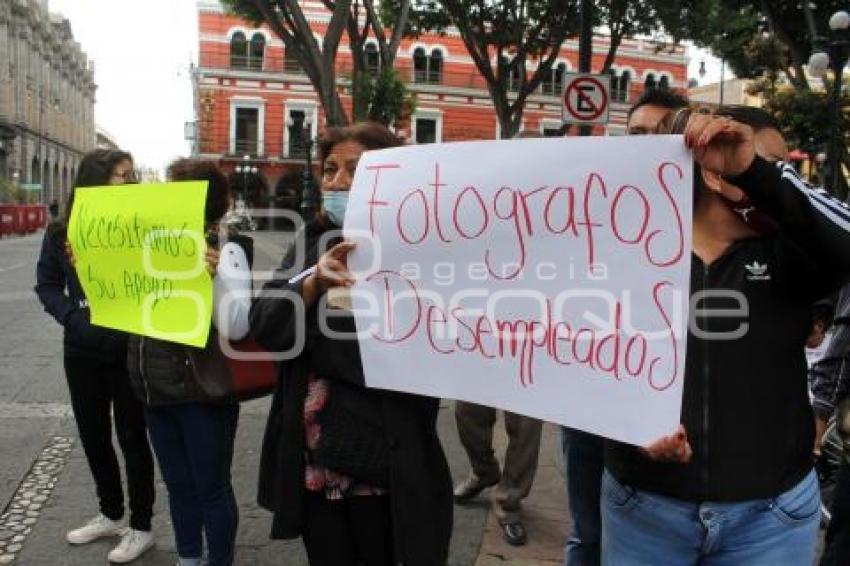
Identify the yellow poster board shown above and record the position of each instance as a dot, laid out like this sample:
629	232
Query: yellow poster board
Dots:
139	253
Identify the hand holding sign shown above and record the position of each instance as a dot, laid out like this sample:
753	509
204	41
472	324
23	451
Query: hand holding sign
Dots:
332	269
672	448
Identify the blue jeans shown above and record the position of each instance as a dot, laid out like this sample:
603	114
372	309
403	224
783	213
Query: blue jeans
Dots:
194	447
584	461
640	527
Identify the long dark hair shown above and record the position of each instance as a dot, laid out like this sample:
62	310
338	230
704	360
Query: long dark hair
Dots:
95	171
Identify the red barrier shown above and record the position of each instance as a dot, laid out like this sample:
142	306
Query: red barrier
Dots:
20	219
32	217
42	215
7	219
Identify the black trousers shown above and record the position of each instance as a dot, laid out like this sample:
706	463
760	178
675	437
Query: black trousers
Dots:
348	532
98	386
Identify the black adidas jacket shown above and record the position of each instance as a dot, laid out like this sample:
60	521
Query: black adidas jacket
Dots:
745	403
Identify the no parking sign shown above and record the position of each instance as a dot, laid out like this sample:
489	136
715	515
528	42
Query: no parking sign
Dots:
586	98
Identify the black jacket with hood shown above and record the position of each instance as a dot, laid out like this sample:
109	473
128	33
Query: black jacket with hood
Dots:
745	403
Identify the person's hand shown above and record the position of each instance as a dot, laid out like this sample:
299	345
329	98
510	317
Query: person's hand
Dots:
332	269
820	430
672	448
212	257
70	254
720	145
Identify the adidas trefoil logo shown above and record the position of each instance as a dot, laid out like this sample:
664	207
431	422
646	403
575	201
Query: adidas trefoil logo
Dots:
757	271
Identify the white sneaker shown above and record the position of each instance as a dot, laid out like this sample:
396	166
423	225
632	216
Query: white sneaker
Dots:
100	526
133	544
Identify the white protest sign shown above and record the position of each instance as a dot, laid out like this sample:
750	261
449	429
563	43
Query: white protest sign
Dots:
548	277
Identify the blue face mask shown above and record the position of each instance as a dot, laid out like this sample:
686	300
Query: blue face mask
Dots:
335	203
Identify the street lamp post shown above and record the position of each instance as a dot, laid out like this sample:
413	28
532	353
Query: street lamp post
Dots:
833	54
309	195
245	170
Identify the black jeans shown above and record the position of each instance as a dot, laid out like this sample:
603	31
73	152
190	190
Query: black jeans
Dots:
356	531
837	548
96	386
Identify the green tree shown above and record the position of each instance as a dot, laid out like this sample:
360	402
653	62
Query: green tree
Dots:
506	38
625	18
360	20
770	41
287	20
502	38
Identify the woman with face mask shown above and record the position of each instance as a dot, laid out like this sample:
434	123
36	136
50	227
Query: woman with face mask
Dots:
359	474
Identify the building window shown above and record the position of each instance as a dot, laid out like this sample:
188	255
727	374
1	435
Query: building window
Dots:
435	70
664	82
256	52
427	126
650	83
624	85
373	59
427	69
426	130
420	66
290	62
553	82
247	130
513	74
238	51
620	85
300	121
514	80
296	123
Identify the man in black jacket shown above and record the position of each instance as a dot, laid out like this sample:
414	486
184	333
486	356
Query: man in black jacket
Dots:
734	484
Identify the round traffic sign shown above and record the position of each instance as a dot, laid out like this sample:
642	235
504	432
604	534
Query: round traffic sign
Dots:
586	98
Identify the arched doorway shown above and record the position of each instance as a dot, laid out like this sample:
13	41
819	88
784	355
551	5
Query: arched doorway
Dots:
35	171
57	188
46	185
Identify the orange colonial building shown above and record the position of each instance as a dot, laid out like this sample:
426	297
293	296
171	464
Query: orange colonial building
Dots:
253	104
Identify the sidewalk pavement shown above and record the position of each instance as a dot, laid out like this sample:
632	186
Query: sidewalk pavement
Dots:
66	499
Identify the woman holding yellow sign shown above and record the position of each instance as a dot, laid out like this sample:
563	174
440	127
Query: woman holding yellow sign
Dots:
95	366
193	433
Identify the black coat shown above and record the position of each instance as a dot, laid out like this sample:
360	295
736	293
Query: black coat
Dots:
161	372
59	290
419	480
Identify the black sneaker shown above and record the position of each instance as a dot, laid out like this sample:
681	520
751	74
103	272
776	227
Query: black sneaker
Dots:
471	487
514	533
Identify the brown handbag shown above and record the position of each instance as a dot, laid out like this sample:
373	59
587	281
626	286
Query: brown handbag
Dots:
223	378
